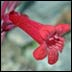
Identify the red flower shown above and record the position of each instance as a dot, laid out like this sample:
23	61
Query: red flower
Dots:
49	37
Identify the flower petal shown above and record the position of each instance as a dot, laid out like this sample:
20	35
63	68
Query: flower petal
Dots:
62	28
46	31
52	56
41	52
60	44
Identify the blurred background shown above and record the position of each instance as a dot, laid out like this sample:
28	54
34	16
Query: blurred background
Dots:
18	46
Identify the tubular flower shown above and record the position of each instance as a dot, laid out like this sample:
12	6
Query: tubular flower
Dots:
49	37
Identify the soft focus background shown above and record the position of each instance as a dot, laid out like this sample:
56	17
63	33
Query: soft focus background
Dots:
17	48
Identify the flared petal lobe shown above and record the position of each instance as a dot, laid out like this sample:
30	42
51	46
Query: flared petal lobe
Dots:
60	44
52	56
62	28
46	31
40	52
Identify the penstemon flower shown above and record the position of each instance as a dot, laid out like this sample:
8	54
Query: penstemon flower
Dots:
49	37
